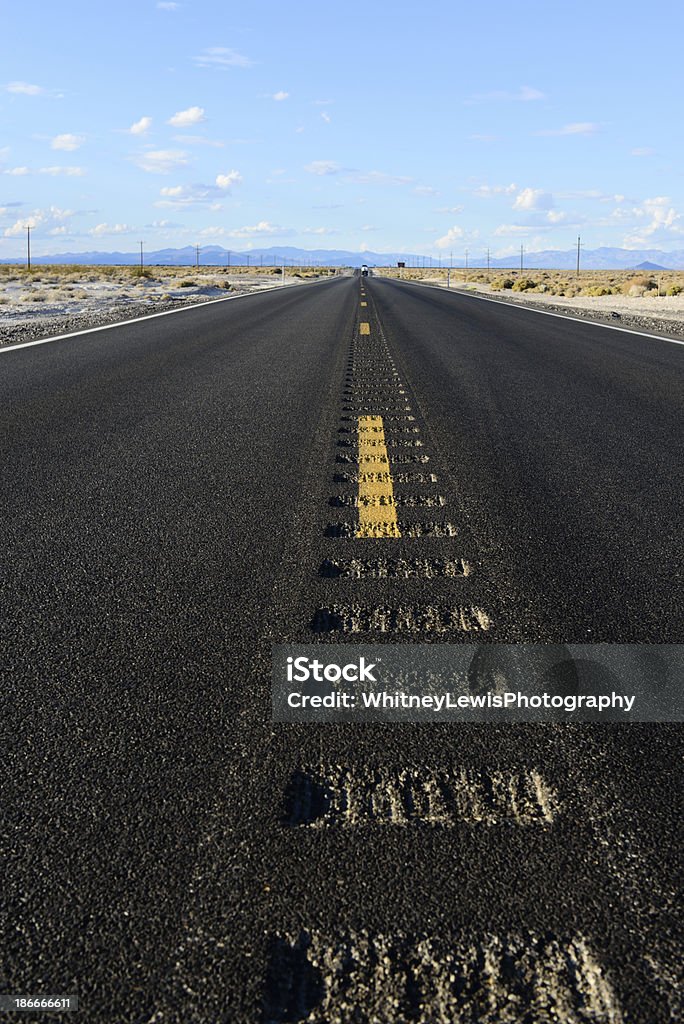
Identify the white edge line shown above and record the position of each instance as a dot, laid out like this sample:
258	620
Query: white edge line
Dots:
137	319
544	312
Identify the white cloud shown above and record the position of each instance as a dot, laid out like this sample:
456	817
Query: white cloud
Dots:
454	234
263	229
167	5
663	222
69	172
222	57
110	229
643	151
58	231
226	181
426	190
524	94
187	118
489	191
67	142
450	209
556	217
533	199
320	231
17	172
576	128
42	220
177	196
326	117
161	161
24	88
322	167
141	127
280	96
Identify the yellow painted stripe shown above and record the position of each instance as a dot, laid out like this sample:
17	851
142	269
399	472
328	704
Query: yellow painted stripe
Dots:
364	303
364	328
377	511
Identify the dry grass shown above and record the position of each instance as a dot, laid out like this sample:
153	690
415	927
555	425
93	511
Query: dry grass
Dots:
556	282
104	286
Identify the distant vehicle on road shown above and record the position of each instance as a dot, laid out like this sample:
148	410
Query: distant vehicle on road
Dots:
364	271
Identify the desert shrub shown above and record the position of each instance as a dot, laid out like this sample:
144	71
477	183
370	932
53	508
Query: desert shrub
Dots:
141	272
226	285
597	290
502	282
674	289
638	285
524	284
188	284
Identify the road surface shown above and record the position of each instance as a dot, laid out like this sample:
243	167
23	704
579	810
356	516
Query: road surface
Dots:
182	492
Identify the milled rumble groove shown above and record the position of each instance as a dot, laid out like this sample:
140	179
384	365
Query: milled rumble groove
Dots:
388	419
393	568
378	978
399	478
407	530
406	619
414	530
375	430
344	796
397	460
385	500
379	407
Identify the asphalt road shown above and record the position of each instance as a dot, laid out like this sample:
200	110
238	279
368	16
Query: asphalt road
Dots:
180	493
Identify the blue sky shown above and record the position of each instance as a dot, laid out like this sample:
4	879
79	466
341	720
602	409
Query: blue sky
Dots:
400	126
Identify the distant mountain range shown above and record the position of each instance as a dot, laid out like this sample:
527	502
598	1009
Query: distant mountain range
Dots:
216	255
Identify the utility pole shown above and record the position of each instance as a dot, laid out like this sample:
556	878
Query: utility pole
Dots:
28	246
141	256
465	278
451	259
521	259
578	254
197	255
487	264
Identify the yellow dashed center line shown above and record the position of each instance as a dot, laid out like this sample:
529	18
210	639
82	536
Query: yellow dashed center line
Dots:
377	511
364	303
364	328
